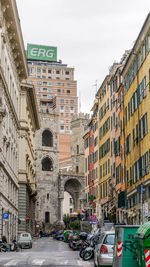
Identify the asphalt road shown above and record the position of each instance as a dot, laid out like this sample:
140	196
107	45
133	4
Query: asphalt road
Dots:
45	252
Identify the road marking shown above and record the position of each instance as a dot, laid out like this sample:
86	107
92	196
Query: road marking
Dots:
38	262
80	263
11	263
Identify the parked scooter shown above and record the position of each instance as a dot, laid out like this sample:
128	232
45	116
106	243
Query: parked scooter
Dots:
5	247
77	244
15	246
84	246
89	251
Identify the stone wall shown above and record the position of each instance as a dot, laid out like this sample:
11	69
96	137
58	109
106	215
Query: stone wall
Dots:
47	181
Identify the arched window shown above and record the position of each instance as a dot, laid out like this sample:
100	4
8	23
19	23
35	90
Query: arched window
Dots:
47	164
47	138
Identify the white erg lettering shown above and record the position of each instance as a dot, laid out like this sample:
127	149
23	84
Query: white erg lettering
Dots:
41	52
34	52
50	53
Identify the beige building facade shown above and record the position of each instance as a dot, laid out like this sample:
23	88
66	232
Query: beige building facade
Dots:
13	70
29	123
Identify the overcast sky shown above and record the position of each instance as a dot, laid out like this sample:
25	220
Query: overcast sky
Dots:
89	34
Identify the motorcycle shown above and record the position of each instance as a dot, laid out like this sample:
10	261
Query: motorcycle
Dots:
84	246
5	247
89	251
15	246
78	243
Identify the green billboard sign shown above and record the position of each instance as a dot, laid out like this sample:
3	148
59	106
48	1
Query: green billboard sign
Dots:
42	52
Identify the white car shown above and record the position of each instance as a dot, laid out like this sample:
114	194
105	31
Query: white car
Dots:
25	240
103	252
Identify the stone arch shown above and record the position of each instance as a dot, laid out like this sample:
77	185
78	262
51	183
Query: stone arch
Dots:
47	138
74	188
74	185
47	164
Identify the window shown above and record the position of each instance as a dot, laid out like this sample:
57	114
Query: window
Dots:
77	149
68	91
61	108
30	70
46	217
58	84
49	71
44	70
71	109
77	169
38	70
47	196
58	90
67	72
49	83
61	128
47	164
50	90
47	138
71	101
57	72
62	121
133	137
39	83
62	101
68	85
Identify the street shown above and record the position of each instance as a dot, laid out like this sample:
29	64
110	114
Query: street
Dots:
45	252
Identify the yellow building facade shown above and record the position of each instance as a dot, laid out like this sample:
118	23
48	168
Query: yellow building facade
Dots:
104	115
136	76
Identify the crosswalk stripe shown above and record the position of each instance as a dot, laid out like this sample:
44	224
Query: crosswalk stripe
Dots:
11	263
38	262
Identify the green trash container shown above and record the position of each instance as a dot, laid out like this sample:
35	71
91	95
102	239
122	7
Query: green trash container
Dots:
124	247
142	238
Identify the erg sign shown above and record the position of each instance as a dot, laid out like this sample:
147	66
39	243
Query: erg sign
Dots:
41	52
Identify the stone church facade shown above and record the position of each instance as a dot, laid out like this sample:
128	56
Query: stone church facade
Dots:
47	168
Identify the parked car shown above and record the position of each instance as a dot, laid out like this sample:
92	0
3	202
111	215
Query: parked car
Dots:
103	252
25	240
60	237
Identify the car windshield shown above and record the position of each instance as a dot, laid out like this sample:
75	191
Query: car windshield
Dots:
25	236
109	239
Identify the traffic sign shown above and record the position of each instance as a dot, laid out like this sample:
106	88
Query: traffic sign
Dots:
93	218
91	222
5	216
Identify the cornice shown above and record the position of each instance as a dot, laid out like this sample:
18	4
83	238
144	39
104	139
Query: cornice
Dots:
14	33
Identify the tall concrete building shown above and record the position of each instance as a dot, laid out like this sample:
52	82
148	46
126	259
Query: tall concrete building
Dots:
55	87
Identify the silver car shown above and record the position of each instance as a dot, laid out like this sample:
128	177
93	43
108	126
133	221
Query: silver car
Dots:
103	252
25	240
